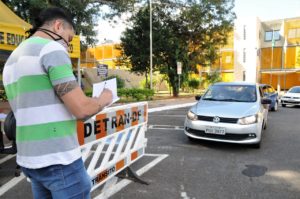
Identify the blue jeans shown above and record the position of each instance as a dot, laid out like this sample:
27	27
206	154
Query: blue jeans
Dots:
60	181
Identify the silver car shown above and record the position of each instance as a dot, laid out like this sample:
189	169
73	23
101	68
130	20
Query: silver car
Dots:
229	112
292	97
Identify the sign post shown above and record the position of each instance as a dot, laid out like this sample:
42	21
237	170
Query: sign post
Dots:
179	71
102	70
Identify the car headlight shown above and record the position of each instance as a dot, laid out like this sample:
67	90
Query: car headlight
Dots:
191	115
248	120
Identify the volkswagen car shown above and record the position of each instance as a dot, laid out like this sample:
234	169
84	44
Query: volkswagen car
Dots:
292	97
229	112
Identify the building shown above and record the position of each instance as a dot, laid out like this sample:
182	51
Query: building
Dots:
268	52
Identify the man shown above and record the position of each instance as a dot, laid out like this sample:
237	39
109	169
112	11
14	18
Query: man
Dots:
46	101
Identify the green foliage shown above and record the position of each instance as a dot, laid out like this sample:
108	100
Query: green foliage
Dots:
194	84
120	81
136	93
191	33
3	97
213	77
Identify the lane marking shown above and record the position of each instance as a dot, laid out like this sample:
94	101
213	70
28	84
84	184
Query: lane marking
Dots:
123	183
154	115
10	184
163	108
8	157
166	127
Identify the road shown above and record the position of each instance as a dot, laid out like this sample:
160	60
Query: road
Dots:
210	170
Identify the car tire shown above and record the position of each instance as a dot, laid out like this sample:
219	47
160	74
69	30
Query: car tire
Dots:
283	105
256	145
275	108
191	139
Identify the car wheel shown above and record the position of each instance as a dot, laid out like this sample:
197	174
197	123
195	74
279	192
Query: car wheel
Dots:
275	108
283	105
256	145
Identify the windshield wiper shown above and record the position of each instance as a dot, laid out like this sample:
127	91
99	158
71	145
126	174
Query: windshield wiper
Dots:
230	100
211	99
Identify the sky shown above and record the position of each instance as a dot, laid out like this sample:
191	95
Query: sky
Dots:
264	9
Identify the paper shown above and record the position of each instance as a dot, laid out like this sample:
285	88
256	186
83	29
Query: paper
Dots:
110	84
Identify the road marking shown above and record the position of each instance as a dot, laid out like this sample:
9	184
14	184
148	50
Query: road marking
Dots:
10	184
8	157
155	115
166	127
123	183
163	108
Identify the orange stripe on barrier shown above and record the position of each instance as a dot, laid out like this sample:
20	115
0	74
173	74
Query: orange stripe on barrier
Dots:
120	120
80	132
134	155
145	113
134	115
100	126
120	165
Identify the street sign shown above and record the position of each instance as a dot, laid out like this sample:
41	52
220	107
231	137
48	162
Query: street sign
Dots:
179	68
102	70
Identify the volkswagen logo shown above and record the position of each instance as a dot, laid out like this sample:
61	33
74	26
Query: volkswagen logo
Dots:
216	119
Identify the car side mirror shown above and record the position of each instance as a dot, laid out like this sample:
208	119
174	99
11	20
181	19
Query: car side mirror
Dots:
266	101
198	97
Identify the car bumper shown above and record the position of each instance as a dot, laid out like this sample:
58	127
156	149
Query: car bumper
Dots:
290	101
235	133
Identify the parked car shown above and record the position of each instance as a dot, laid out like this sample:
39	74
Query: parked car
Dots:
292	97
270	93
229	112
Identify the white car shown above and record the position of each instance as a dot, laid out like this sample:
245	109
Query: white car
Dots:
229	112
292	97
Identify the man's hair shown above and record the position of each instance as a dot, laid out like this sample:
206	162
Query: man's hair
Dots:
50	14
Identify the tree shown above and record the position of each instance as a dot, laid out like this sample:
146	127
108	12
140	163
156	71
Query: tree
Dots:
190	33
84	12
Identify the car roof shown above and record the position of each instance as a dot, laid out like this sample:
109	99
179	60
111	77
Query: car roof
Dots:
236	83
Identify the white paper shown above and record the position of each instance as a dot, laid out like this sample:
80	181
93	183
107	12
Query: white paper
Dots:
110	84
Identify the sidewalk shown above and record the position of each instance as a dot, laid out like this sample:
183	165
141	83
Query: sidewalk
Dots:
5	108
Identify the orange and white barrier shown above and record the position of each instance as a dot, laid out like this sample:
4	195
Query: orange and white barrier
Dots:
112	140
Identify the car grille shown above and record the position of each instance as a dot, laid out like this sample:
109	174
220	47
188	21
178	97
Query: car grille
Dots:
290	102
222	119
227	136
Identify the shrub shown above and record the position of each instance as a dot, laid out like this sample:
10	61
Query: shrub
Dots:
120	81
193	84
136	93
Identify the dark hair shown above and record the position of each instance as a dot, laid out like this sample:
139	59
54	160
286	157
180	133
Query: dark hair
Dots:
48	15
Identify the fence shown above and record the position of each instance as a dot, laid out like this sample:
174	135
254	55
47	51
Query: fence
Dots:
113	140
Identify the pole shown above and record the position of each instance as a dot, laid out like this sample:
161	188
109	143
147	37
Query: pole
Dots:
151	63
273	43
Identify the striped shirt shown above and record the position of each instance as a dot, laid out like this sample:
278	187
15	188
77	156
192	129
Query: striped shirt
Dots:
46	130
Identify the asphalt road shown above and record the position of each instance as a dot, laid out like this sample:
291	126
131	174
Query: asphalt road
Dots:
210	170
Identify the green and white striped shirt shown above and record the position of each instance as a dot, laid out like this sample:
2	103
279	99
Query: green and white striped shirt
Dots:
46	130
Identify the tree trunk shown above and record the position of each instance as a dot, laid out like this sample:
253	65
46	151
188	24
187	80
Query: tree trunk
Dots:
175	91
147	85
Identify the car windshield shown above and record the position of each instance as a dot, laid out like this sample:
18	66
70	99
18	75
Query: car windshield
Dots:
231	93
295	90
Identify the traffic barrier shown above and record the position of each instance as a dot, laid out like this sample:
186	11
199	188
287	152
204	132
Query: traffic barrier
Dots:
112	140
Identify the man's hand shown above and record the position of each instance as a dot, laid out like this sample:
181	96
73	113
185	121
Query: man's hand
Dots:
105	98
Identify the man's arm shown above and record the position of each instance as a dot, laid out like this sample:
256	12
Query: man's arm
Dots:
78	103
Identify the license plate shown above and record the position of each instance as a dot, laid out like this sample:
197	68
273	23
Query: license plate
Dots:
215	130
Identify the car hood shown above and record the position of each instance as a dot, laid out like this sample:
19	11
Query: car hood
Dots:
291	95
225	109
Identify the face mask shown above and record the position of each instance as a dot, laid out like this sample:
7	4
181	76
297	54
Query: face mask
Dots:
60	39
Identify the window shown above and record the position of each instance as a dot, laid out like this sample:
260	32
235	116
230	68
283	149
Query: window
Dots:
294	33
269	35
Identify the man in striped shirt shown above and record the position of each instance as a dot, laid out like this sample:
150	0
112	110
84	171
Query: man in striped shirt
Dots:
46	101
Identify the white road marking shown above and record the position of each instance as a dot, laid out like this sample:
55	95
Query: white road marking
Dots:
165	127
10	184
123	183
8	157
163	108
